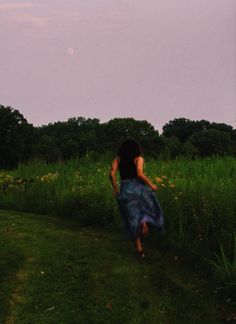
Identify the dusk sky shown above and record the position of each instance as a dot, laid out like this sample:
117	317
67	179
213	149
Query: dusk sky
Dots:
155	59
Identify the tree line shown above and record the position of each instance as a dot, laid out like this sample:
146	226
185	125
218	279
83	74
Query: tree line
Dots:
79	136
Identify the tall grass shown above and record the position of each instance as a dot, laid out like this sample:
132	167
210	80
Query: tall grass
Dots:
225	262
197	197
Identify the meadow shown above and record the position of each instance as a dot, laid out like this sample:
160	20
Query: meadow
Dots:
52	270
197	197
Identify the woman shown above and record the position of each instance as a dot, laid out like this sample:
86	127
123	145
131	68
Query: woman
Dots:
136	198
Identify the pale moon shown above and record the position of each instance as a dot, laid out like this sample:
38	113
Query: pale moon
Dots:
70	51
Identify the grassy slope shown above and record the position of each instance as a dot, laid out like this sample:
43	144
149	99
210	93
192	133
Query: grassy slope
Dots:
52	271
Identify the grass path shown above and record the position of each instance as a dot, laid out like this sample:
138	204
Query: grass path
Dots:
53	271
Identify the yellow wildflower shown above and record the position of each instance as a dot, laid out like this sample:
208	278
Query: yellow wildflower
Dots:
49	177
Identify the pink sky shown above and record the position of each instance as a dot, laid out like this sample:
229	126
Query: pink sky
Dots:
155	59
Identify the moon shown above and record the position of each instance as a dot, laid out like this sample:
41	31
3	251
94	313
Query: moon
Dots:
70	51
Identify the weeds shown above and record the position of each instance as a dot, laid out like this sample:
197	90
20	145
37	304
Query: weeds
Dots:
225	263
197	197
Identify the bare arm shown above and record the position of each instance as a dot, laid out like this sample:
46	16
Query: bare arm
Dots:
112	175
141	175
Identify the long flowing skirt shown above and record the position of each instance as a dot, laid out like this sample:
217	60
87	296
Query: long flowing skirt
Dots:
138	203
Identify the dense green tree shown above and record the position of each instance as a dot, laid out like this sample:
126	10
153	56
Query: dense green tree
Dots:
69	149
16	137
233	135
211	142
201	125
173	148
114	132
181	128
48	150
201	137
20	141
222	127
78	133
189	150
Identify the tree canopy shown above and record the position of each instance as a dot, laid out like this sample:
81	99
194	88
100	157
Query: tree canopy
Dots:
15	137
78	136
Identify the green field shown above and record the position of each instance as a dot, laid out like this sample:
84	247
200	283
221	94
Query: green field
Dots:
195	257
55	271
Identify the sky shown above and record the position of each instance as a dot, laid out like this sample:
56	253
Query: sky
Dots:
152	60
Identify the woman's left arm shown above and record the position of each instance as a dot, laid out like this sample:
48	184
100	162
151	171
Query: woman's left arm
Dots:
112	175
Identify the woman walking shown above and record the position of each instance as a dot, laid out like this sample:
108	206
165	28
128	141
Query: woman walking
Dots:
136	196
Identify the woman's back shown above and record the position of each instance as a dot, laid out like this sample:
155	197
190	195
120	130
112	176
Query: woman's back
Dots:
127	169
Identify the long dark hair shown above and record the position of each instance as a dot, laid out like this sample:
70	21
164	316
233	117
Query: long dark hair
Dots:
129	149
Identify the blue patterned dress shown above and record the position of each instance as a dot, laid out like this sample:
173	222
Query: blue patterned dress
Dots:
138	203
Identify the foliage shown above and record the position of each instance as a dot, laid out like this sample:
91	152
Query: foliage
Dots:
225	262
15	137
183	128
180	128
78	137
211	142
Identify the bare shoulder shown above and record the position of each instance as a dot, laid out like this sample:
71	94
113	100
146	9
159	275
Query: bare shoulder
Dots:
115	161
139	159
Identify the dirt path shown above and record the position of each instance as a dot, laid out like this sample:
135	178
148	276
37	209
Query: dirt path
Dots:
17	295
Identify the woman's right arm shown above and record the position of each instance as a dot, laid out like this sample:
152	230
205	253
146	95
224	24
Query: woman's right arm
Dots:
112	175
141	175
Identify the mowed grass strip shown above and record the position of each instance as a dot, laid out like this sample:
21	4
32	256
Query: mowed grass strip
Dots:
53	271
